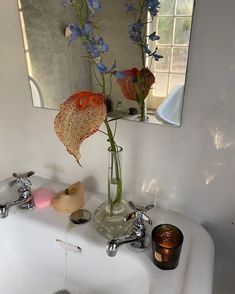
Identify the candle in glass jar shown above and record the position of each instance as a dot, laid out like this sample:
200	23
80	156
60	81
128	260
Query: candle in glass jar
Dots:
167	242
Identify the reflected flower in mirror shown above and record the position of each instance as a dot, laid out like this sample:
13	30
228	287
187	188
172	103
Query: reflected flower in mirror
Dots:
135	84
128	83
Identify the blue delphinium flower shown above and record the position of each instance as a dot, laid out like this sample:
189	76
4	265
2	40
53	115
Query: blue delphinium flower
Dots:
157	56
75	31
138	25
129	7
134	35
87	28
120	75
95	45
154	37
147	50
94	5
103	47
92	50
153	6
135	31
101	68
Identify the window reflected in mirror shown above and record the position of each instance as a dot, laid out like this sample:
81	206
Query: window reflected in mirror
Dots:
173	25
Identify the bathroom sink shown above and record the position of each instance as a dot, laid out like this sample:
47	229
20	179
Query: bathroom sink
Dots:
42	253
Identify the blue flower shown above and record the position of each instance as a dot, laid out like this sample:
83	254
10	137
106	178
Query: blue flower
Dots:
157	56
87	28
101	68
154	37
75	32
94	5
135	31
147	50
129	7
137	25
153	6
120	75
134	36
92	50
103	47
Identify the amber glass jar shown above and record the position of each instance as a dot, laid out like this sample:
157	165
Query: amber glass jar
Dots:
167	242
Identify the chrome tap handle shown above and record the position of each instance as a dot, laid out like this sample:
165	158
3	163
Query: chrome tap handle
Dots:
22	179
25	198
139	216
139	213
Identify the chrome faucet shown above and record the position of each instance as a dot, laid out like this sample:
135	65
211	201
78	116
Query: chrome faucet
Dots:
138	239
25	199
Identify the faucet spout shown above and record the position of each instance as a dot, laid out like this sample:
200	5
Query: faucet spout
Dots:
138	238
113	244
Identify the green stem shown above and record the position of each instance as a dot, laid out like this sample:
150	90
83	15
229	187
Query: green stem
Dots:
141	81
95	75
81	10
103	83
79	7
142	53
115	160
114	149
111	84
103	132
140	99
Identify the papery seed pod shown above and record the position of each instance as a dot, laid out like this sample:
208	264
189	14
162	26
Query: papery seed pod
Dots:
73	124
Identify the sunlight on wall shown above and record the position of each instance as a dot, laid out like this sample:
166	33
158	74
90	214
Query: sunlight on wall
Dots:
150	186
209	177
220	140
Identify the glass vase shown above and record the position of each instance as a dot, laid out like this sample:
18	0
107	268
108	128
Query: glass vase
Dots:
109	216
143	110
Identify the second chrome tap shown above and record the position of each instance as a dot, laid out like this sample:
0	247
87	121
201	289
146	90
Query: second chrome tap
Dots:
138	239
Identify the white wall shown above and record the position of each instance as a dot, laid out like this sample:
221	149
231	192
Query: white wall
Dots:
191	169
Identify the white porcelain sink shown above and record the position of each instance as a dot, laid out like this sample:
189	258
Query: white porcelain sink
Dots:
32	261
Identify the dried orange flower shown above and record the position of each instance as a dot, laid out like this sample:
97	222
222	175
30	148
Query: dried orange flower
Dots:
79	117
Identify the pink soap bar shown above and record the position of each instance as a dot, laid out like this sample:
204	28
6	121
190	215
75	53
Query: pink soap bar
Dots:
42	197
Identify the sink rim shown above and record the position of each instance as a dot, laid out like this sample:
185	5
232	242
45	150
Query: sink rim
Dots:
93	200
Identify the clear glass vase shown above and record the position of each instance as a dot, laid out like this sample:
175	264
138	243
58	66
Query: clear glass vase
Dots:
109	216
143	110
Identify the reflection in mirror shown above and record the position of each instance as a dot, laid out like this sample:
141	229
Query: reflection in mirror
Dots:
173	24
55	69
56	66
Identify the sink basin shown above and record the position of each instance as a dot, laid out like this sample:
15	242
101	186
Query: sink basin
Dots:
39	253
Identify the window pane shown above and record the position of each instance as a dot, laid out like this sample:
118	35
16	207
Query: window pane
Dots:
165	29
154	102
179	59
182	30
184	7
167	7
176	80
164	63
160	86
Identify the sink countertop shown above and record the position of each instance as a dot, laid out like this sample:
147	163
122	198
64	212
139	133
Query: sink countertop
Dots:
194	275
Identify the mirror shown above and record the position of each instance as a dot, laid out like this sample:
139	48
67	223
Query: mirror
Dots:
57	67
